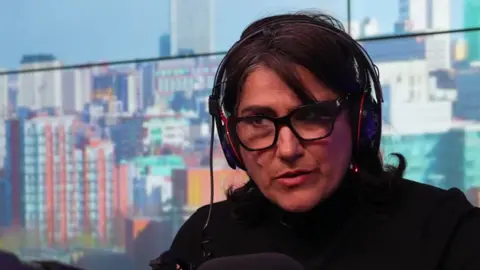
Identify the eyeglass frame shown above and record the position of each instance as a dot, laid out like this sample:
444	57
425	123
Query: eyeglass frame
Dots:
286	121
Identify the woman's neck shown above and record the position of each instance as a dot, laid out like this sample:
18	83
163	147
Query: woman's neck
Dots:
331	211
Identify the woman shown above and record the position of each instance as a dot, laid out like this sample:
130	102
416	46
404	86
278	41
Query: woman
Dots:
297	104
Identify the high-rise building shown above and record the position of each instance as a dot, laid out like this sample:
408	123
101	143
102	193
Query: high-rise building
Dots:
3	144
5	203
438	47
12	92
76	88
58	190
472	19
4	97
147	82
49	164
12	171
192	26
164	43
415	12
42	89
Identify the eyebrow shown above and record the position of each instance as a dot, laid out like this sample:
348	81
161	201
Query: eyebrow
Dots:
257	109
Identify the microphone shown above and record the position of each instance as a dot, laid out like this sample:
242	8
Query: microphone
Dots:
169	261
260	261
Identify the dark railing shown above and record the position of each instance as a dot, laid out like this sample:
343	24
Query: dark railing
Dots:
152	59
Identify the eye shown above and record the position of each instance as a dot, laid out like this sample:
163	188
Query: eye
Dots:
314	114
311	115
257	121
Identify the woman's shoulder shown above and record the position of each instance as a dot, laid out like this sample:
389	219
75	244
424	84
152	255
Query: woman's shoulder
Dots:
413	209
445	220
419	197
407	200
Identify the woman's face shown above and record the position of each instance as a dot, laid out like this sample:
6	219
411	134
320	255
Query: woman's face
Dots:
294	174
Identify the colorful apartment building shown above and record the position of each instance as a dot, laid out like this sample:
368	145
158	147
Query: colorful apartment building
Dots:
62	189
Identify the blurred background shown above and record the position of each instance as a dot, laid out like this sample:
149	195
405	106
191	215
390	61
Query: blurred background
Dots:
104	128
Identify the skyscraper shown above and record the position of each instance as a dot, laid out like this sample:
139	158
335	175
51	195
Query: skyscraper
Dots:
164	45
472	19
4	104
439	17
415	12
40	89
192	26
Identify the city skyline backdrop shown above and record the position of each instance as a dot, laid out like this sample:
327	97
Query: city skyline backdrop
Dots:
99	161
90	31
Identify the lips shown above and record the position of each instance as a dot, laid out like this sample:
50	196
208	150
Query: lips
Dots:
293	178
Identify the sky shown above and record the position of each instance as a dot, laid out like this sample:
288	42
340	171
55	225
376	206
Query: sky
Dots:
82	31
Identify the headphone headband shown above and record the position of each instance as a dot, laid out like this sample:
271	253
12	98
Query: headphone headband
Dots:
220	74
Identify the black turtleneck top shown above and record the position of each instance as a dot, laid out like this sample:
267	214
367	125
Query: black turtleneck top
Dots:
415	227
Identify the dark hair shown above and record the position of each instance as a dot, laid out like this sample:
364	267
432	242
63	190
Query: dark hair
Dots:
284	45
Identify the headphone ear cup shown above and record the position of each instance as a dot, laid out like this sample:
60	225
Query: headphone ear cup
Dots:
228	150
361	124
369	126
223	135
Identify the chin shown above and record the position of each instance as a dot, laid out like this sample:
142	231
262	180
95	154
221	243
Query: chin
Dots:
297	206
302	200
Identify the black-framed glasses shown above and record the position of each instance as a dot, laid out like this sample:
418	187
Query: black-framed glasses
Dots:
309	122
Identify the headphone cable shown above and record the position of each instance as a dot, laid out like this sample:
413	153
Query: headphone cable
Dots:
205	239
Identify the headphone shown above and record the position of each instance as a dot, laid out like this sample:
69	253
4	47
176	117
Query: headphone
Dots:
367	131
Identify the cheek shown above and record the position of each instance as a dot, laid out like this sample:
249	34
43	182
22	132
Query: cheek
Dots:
334	153
252	161
256	159
341	139
341	143
258	164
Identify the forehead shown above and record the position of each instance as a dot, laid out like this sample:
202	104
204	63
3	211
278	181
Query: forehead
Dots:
264	88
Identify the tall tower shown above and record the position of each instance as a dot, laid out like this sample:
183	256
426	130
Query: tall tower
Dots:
439	50
4	97
471	19
41	89
192	26
414	12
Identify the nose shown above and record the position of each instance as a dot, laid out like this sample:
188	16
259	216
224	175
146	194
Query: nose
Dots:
289	147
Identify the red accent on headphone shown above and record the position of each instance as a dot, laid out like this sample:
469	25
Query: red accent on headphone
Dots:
232	146
359	126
